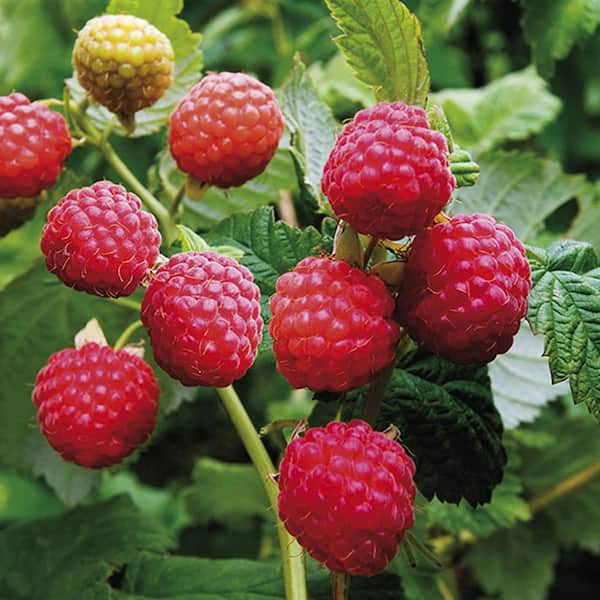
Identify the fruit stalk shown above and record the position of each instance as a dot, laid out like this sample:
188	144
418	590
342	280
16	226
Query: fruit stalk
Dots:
124	337
340	585
292	555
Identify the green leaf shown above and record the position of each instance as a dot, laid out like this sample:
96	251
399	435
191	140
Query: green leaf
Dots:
552	28
214	495
192	242
521	381
382	41
312	128
585	226
513	107
519	189
574	457
22	499
71	483
217	204
564	305
73	555
450	425
439	16
517	563
39	316
506	508
188	65
419	582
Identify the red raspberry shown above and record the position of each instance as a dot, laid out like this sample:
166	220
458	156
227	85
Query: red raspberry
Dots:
347	495
465	289
332	325
388	173
35	144
202	311
96	405
226	129
98	240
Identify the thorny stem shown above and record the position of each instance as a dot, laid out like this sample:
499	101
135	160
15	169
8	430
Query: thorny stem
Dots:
124	337
292	555
564	487
340	585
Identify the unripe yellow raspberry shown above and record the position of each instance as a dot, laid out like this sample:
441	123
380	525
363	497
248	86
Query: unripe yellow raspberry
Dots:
124	63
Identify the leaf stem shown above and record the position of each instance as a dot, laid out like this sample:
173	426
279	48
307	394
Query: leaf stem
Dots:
124	337
292	555
564	487
340	585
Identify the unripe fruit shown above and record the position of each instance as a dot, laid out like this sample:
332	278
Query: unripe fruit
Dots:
347	495
388	174
465	289
98	239
124	63
331	325
96	405
35	144
202	312
226	129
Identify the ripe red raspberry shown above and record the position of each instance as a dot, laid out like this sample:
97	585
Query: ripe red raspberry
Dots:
332	325
35	144
98	240
465	289
96	405
388	173
202	311
347	495
226	129
124	62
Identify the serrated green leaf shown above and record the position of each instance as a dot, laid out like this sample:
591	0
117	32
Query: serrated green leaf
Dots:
521	381
419	582
552	28
270	248
513	107
449	423
214	495
70	482
517	563
188	65
506	508
564	305
73	555
312	128
574	456
39	316
192	242
439	16
382	41
519	189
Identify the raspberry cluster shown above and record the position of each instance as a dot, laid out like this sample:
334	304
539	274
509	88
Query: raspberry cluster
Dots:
98	239
331	325
123	62
35	145
347	495
202	311
96	405
226	129
388	173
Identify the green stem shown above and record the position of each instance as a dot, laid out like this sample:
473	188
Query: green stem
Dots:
124	337
375	394
292	555
126	302
340	585
176	200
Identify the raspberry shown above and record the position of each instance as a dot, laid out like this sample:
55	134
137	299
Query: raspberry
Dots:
96	405
98	240
35	144
226	129
124	62
202	311
331	326
465	289
388	173
347	495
